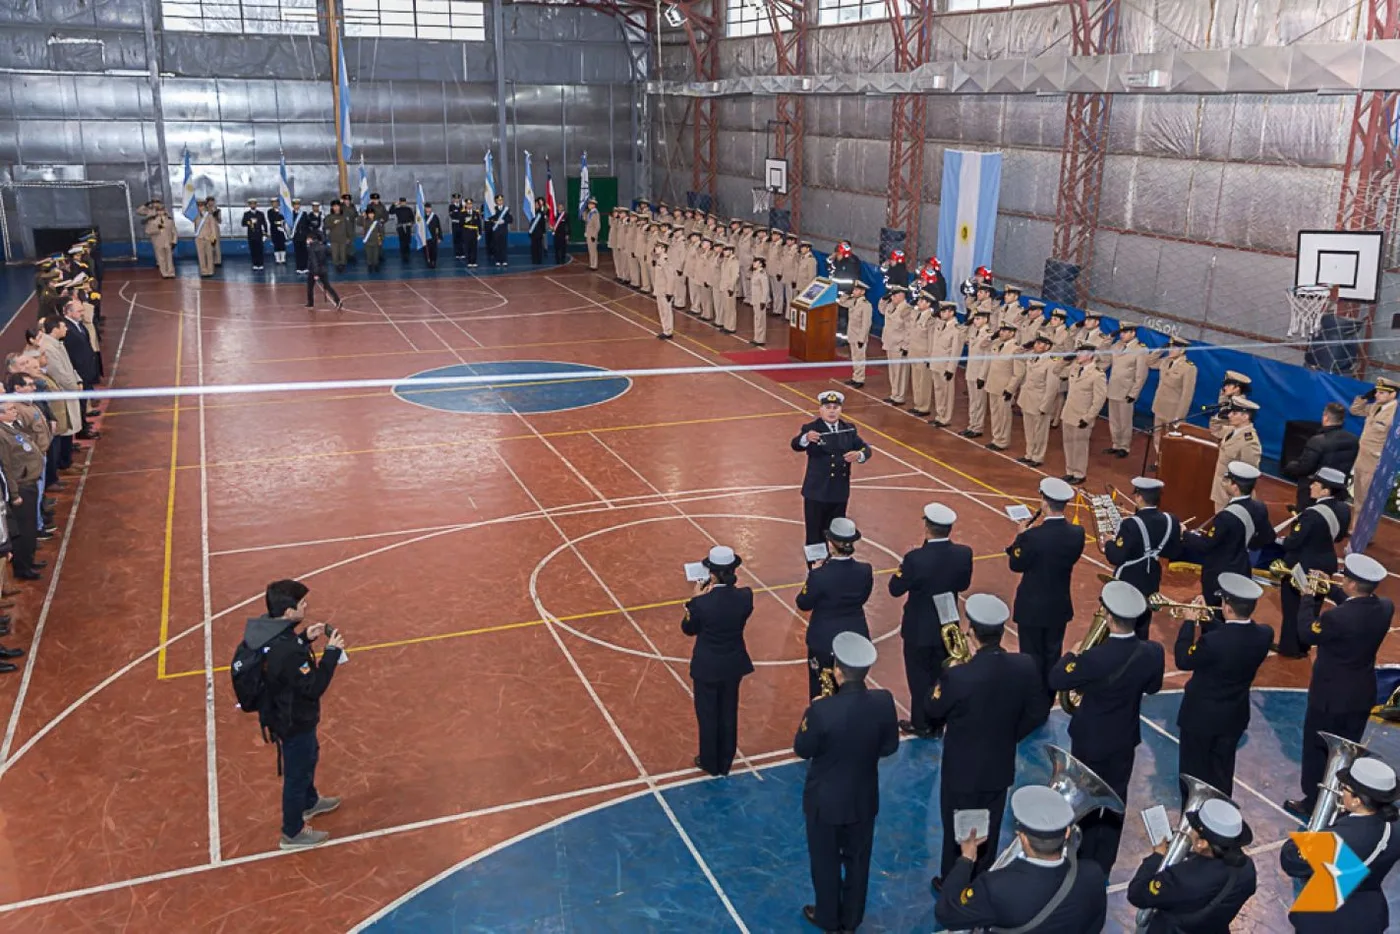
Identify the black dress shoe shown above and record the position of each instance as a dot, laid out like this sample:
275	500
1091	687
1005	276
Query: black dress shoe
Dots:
27	575
1025	460
993	446
40	565
936	883
857	385
4	629
1109	451
1121	454
1298	808
11	653
6	668
809	912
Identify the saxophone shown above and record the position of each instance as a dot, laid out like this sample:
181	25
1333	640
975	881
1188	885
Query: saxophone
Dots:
1098	632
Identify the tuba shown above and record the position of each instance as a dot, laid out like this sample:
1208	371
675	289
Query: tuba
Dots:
955	644
1098	632
1341	754
1077	784
1197	794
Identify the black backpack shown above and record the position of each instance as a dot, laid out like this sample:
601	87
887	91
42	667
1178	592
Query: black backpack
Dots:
249	673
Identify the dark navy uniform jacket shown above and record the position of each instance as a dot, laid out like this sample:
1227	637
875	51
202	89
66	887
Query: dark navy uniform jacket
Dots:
845	736
1045	556
1127	553
828	478
1113	676
1347	637
1010	897
935	567
835	595
1310	540
716	619
988	706
1365	909
1182	893
1223	662
1225	546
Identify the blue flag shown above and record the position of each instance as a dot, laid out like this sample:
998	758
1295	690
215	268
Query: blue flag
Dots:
1368	512
284	193
191	208
584	192
364	186
420	228
344	115
528	199
490	192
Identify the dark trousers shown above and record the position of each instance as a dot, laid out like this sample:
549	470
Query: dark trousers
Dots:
64	443
300	754
299	253
1209	757
1102	829
840	859
1045	644
24	528
405	243
325	280
922	666
430	252
818	517
459	243
1347	724
717	721
1288	643
471	249
51	460
561	248
537	248
500	247
816	661
950	801
255	251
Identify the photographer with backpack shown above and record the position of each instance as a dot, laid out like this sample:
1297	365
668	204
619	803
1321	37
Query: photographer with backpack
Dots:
276	674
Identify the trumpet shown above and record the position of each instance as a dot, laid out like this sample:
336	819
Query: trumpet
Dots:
1098	633
1319	582
1195	611
955	644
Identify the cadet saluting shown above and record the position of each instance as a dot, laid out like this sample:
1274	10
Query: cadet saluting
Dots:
716	617
986	706
1310	542
844	736
835	595
1202	893
1343	685
937	568
1046	890
831	446
1045	556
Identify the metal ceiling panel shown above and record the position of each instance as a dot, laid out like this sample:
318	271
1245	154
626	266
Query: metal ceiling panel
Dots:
1264	69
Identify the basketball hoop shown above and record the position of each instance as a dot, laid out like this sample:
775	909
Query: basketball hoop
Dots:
1307	304
762	200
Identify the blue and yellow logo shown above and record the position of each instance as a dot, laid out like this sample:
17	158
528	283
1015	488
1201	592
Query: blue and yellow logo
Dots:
1337	871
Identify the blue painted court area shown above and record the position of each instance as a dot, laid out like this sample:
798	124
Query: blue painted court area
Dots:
550	392
625	867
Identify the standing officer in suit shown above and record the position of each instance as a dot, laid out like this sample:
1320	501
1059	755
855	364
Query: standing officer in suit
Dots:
835	594
844	737
1104	730
1242	526
937	568
1311	542
1088	390
1215	704
1238	442
1144	538
1204	892
1333	446
1176	387
1343	685
1378	408
716	616
1047	890
831	446
986	707
1045	557
1367	825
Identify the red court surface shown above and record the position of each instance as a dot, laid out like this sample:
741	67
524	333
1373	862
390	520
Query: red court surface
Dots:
510	587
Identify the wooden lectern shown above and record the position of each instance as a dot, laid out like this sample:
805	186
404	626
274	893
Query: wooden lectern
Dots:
1187	467
813	335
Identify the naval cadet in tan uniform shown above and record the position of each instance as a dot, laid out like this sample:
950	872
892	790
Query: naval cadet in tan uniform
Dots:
1088	390
1004	375
160	229
1127	375
980	337
899	320
946	346
1090	331
858	316
1039	390
920	349
1378	406
1239	441
1176	386
592	223
1234	385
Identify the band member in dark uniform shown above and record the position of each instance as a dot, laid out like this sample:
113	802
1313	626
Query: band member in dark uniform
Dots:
255	222
498	230
561	238
1366	823
539	226
986	707
1105	730
1047	890
1242	526
844	736
1215	703
835	594
471	230
1045	557
716	617
935	572
1343	685
456	216
1311	542
404	219
1144	538
318	269
1204	892
831	446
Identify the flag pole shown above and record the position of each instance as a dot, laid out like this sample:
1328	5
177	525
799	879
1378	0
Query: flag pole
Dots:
333	37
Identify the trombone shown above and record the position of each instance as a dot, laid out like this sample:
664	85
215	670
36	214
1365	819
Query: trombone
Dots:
1199	612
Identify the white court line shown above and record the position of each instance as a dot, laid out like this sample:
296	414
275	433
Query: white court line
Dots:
211	750
442	314
366	292
39	625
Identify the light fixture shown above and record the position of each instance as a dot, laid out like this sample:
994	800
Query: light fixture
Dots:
674	17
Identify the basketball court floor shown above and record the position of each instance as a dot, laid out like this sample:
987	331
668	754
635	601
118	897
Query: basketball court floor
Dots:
513	731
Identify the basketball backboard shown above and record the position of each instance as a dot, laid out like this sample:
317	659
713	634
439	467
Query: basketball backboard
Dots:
1349	260
775	175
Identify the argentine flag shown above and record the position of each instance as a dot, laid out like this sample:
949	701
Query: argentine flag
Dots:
191	208
528	199
420	227
284	195
344	116
584	192
364	186
489	204
967	213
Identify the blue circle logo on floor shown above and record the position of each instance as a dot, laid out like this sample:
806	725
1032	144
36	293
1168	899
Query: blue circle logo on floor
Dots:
526	387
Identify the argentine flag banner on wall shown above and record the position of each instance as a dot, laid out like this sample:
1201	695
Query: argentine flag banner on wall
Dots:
967	213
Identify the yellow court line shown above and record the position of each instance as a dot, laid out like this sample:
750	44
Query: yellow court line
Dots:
170	509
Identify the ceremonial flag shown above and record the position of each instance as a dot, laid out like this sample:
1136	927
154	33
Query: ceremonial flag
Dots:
420	227
191	208
284	193
967	212
551	206
344	115
583	190
490	202
529	197
364	185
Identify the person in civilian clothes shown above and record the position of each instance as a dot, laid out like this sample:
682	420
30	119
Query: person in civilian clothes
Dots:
831	446
1242	526
1367	824
83	356
936	568
1333	446
1045	557
1144	539
857	330
255	223
1105	729
1047	890
1311	542
539	226
1343	686
23	466
1215	703
835	593
716	616
844	737
1204	892
985	708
